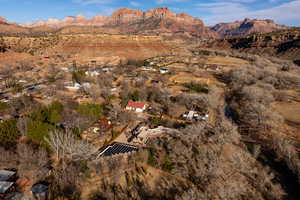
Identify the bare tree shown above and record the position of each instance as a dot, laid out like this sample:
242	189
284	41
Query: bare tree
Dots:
286	151
7	158
125	90
67	146
22	125
32	160
7	75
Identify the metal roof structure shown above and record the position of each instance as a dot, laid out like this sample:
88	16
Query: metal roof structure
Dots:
4	186
39	188
6	175
118	148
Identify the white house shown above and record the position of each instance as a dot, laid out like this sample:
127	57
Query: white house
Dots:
148	68
195	115
107	69
163	71
92	73
76	86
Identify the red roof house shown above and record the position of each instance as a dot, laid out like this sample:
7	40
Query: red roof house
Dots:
136	106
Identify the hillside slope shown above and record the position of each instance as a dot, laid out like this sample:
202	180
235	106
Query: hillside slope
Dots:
284	43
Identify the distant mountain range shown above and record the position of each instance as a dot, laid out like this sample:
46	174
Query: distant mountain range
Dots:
159	21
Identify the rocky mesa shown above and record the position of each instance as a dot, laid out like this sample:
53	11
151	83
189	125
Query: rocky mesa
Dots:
247	26
159	21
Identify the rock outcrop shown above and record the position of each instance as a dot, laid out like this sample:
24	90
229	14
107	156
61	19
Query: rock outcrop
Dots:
283	43
159	21
3	20
247	26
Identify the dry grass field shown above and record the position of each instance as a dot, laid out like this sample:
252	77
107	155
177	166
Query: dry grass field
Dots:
290	111
225	61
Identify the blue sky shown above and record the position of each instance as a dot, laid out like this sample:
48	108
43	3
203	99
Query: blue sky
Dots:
210	11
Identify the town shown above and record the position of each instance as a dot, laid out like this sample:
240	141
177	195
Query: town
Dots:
117	107
149	105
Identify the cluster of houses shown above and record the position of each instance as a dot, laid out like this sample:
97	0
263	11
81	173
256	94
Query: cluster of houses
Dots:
212	67
8	186
150	68
195	115
97	73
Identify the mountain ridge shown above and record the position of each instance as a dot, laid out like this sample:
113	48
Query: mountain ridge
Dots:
247	26
158	21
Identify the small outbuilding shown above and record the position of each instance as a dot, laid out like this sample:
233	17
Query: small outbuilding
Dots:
163	71
194	115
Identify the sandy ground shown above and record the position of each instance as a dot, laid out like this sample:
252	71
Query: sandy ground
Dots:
289	110
223	61
183	77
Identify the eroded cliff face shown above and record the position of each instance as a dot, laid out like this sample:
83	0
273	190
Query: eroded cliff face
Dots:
159	21
247	26
91	45
2	20
121	16
284	43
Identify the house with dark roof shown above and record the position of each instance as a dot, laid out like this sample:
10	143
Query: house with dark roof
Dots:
136	106
6	188
7	175
40	191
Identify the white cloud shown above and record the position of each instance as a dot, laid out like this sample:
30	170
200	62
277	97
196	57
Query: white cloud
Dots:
87	2
169	1
135	3
242	1
222	8
231	11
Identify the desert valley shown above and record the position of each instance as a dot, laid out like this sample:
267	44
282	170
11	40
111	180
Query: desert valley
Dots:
149	105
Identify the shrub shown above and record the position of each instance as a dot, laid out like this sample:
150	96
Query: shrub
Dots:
256	94
3	106
37	131
287	81
90	110
135	96
151	157
167	164
241	76
135	62
50	114
9	133
114	135
155	121
55	110
146	62
77	76
194	87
